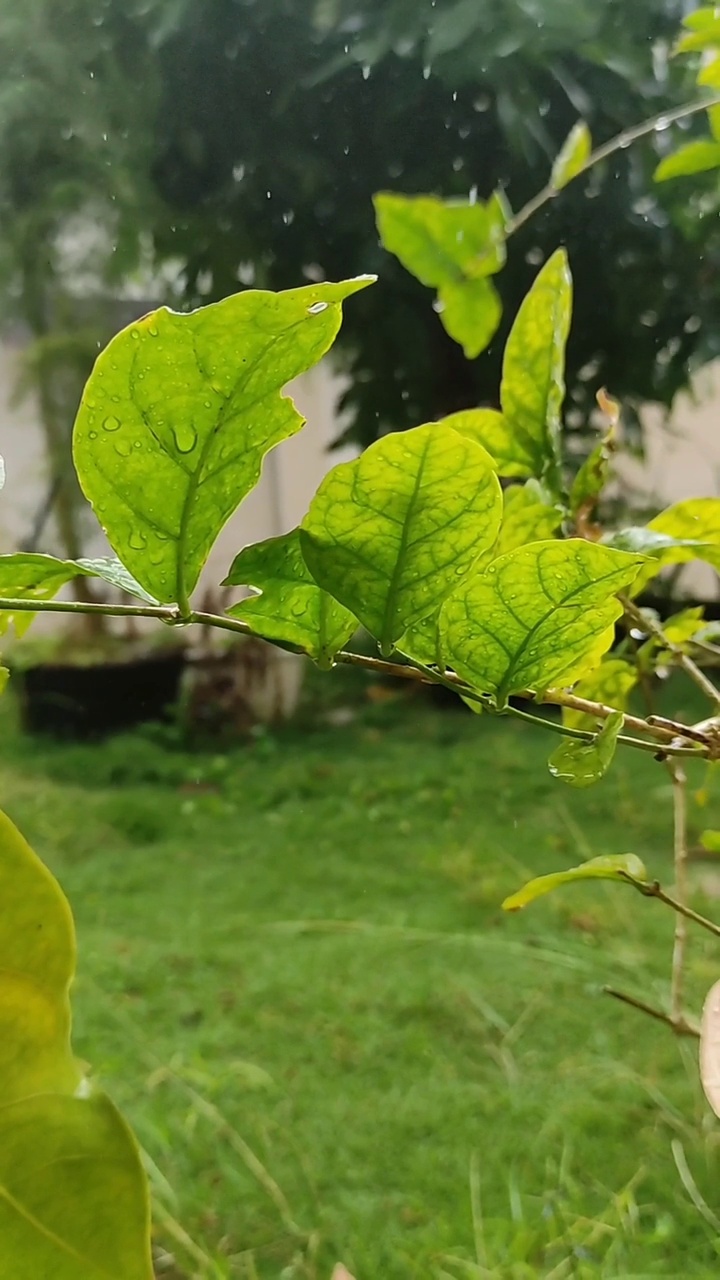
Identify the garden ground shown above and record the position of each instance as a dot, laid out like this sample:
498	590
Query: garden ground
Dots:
296	979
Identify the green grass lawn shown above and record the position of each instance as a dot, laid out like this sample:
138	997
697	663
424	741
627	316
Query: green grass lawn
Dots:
296	979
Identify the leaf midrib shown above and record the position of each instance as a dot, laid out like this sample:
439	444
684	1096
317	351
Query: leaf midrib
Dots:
394	586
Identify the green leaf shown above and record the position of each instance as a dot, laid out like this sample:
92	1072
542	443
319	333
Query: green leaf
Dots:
179	413
441	240
609	684
581	764
693	157
470	311
714	122
524	438
73	1195
390	534
528	516
686	531
291	607
592	477
709	76
451	247
534	615
703	38
625	867
710	840
572	157
31	576
683	626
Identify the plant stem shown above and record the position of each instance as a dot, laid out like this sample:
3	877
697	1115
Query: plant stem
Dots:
171	615
653	890
679	1025
586	735
653	628
618	143
680	855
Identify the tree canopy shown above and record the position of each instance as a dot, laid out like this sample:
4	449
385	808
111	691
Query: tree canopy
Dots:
259	130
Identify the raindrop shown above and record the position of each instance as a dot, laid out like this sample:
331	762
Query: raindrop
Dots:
438	306
366	72
427	70
289	215
185	437
137	444
662	123
207	404
92	435
649	318
316	308
473	195
135	333
137	540
238	172
111	423
123	448
153	331
692	324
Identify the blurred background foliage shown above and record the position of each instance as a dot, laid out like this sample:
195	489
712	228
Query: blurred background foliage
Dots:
241	141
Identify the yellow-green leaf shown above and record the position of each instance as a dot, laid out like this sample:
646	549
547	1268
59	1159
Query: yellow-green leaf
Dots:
451	246
709	75
470	311
30	576
692	157
533	614
710	840
73	1195
581	764
291	607
390	534
73	1202
179	413
686	531
624	867
610	684
572	157
524	438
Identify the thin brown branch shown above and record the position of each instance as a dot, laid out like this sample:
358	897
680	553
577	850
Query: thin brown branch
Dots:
653	890
651	627
680	1026
618	143
680	856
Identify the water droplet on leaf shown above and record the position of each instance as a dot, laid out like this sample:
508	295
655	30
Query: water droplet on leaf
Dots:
316	308
111	423
137	540
185	437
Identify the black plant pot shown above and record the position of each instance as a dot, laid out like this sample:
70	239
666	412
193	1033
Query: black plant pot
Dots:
94	701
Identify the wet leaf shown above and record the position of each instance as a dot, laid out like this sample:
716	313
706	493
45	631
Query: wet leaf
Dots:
686	531
470	311
179	413
73	1195
534	615
390	534
450	246
624	867
30	576
693	157
291	607
524	438
610	684
581	764
572	157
